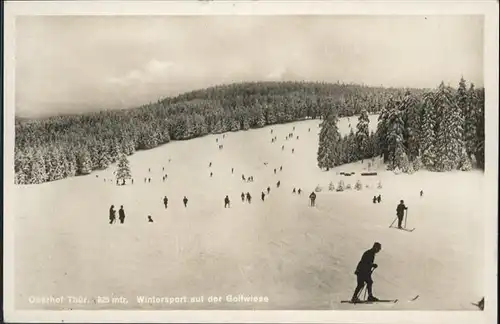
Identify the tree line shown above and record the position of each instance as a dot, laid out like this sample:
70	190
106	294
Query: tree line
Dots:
438	129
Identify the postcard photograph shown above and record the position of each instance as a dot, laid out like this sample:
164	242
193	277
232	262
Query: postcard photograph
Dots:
249	162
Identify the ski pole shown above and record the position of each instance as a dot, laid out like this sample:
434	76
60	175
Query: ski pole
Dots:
393	221
406	216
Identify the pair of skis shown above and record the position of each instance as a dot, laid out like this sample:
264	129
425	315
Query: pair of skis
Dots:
377	301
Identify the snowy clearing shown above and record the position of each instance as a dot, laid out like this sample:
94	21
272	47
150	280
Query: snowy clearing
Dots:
301	258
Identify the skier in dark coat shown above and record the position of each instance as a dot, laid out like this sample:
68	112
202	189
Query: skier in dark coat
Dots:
262	196
243	177
227	203
150	220
249	198
364	273
282	147
232	170
293	150
379	198
165	201
374	199
421	193
312	197
210	164
274	171
400	211
299	191
278	184
112	214
243	197
185	201
281	168
121	215
293	190
268	190
211	174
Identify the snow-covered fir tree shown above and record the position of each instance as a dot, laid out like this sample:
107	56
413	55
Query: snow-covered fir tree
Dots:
84	163
329	140
123	171
411	109
470	120
449	143
362	134
427	136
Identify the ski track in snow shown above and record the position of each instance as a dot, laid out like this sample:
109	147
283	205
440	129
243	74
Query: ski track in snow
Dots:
302	258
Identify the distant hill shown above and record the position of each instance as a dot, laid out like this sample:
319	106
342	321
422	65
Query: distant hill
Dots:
57	147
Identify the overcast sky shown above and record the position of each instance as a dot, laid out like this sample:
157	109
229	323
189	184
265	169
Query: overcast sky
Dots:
75	64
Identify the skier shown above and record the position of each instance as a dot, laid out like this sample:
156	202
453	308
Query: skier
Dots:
243	177
309	130
293	150
297	137
274	171
232	170
117	182
421	193
364	273
293	190
374	199
132	181
163	178
262	195
121	215
379	199
165	201
149	180
400	211
163	168
281	168
278	184
243	197
216	140
227	203
150	220
249	198
149	170
282	147
271	131
293	127
210	164
145	180
211	174
185	201
312	197
299	191
268	190
112	212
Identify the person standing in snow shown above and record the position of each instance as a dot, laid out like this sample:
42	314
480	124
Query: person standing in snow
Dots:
299	191
312	197
185	201
112	214
242	197
150	220
268	190
379	198
249	198
374	199
121	215
421	193
227	203
278	184
281	168
262	196
400	211
165	201
211	174
293	190
232	170
274	171
364	273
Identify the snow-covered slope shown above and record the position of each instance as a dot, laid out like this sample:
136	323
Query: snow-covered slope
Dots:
298	256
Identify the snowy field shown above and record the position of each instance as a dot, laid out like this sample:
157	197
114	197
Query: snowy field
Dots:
301	258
